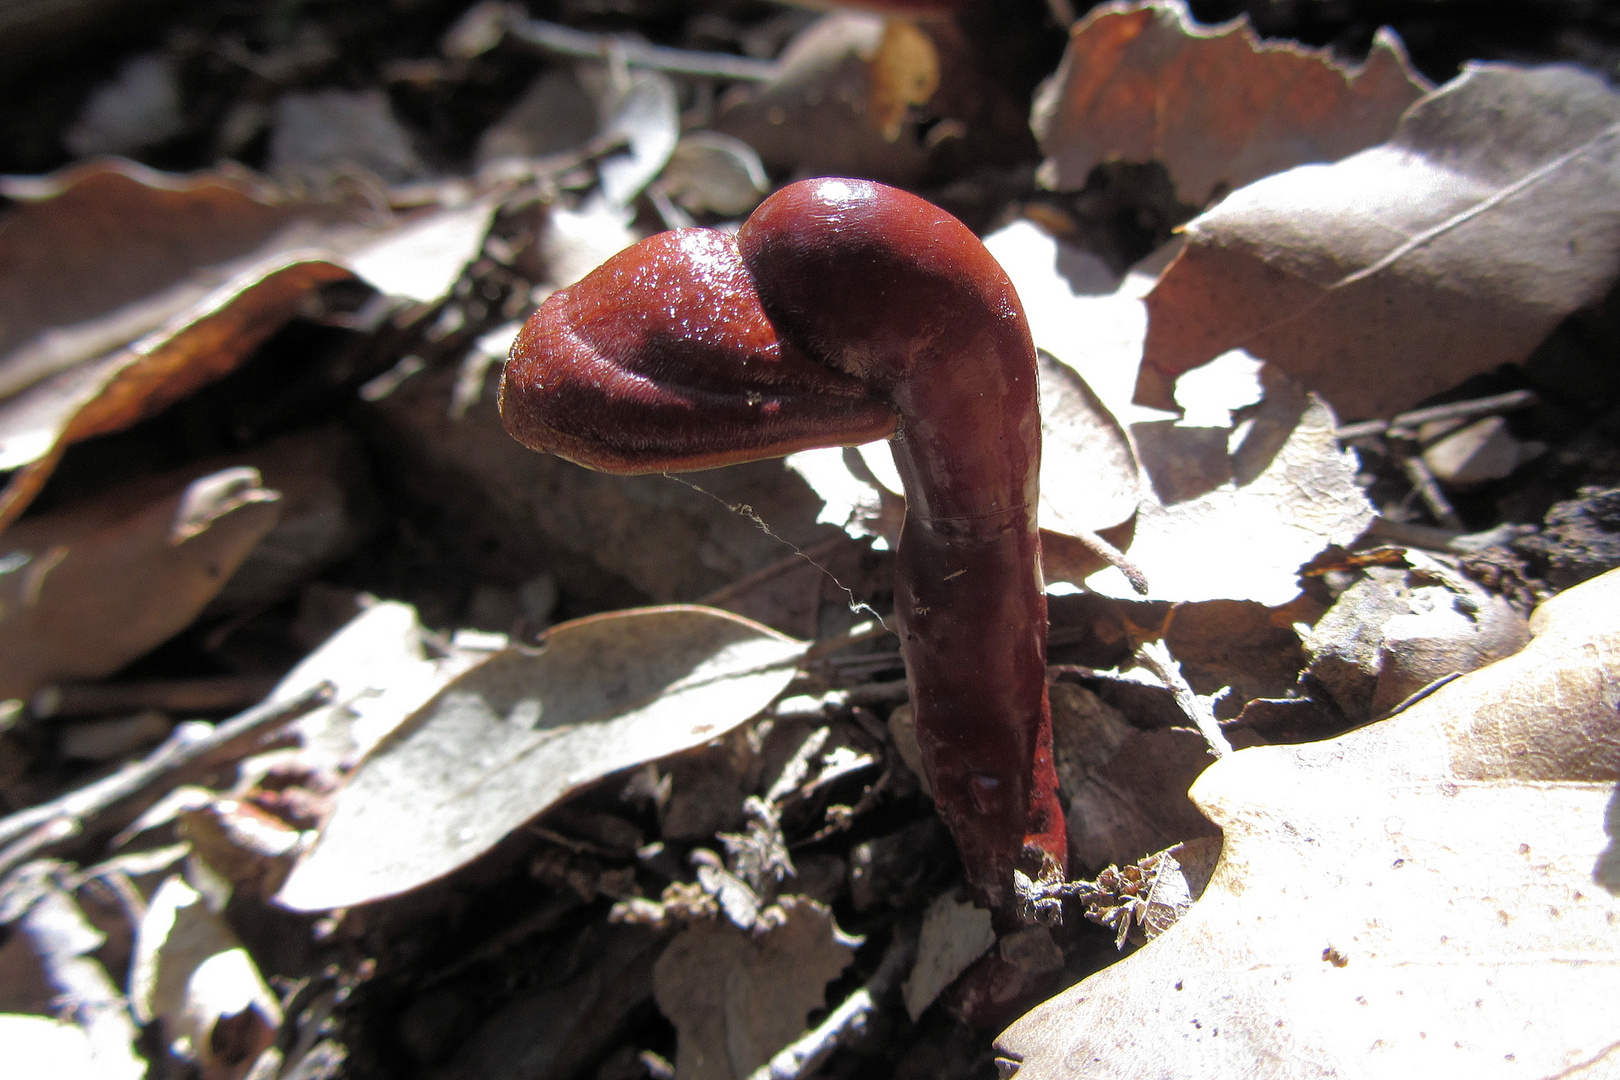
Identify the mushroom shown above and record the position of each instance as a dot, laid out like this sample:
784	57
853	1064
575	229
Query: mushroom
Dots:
845	311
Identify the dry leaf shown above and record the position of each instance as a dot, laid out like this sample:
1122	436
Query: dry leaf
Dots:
423	259
328	508
331	132
59	943
123	291
844	82
736	997
715	173
1397	630
97	255
905	72
954	934
515	735
190	972
1080	311
555	114
655	533
1125	788
1225	514
40	1048
88	588
582	1004
1403	270
112	393
140	106
1238	524
1433	895
379	667
1218	107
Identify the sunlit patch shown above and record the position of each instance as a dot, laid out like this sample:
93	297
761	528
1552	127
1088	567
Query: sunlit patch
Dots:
837	190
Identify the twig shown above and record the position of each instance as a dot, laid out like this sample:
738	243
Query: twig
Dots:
1428	489
1409	422
844	1024
1155	656
878	693
1408	534
29	832
566	41
1114	557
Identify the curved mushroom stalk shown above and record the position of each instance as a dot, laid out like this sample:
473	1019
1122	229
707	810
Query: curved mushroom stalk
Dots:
846	311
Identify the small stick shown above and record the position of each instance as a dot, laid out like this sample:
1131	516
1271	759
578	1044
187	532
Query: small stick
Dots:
1428	489
1155	656
1408	534
844	1024
566	41
1456	410
879	693
31	831
1114	557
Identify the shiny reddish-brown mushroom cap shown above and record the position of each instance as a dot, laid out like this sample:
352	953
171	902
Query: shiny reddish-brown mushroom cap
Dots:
662	360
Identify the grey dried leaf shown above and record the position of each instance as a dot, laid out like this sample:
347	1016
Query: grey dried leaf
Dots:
710	171
513	736
1400	271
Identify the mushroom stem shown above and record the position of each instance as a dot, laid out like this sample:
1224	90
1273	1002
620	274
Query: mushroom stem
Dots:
847	311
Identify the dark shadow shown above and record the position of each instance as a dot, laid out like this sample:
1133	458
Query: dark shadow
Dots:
1086	274
1275	419
1607	871
1182	463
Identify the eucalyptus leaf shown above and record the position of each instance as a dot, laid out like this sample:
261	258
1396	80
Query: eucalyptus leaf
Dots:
515	735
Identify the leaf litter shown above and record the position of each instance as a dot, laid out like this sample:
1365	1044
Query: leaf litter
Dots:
1462	240
658	878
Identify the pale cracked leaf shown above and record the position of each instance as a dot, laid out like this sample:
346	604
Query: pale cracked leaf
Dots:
1433	895
40	1048
515	735
1223	514
1233	516
1378	281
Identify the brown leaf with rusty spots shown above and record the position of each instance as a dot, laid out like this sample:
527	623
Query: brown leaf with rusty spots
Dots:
95	256
1216	105
129	385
